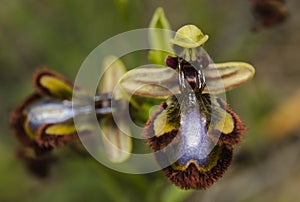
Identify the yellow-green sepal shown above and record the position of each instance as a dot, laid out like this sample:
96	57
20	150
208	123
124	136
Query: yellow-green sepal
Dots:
221	77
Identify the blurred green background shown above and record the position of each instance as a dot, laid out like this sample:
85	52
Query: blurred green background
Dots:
61	33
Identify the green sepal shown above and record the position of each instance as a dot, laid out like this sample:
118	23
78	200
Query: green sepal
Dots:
159	39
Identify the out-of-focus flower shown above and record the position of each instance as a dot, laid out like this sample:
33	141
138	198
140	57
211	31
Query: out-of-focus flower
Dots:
269	13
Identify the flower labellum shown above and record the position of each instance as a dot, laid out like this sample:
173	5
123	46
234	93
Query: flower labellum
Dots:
194	131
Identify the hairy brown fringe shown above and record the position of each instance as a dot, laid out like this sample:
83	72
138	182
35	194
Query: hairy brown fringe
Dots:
53	140
236	135
193	178
17	119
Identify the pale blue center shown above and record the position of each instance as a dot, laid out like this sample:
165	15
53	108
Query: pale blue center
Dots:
194	141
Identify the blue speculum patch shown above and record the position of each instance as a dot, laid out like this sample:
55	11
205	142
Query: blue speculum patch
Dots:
48	111
194	142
